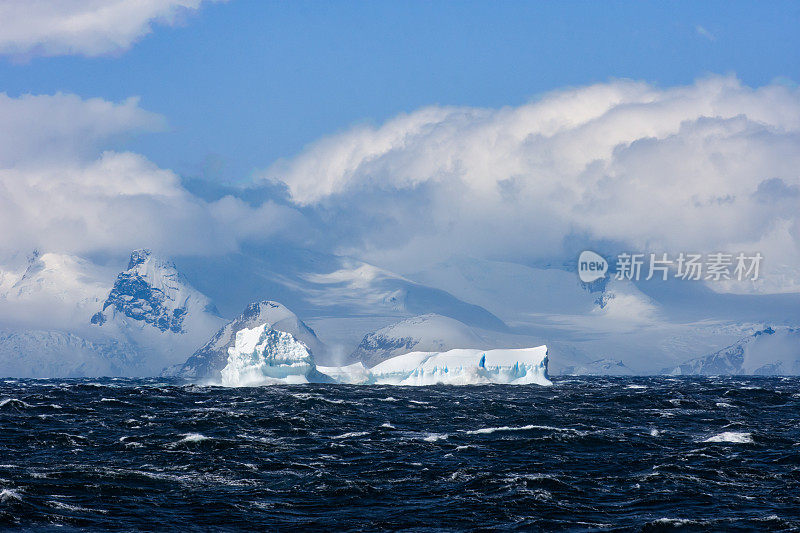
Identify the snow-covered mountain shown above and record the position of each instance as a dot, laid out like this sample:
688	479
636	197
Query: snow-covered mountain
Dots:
152	305
45	300
151	291
51	290
63	315
52	354
424	333
600	367
159	312
767	352
211	358
650	325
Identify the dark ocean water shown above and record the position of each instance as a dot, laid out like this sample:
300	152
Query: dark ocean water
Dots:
586	454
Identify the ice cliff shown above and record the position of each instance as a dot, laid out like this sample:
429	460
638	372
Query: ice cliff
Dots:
265	356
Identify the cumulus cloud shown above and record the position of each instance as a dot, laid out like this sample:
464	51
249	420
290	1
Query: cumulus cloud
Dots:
54	127
59	191
86	27
617	166
696	168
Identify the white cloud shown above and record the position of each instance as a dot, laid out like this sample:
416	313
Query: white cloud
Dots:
87	27
703	32
628	163
60	192
54	127
708	167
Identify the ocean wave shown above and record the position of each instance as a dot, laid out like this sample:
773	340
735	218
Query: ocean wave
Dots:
8	495
74	508
677	522
193	437
735	437
15	403
351	435
490	430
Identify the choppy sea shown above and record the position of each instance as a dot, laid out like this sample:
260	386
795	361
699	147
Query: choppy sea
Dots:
587	454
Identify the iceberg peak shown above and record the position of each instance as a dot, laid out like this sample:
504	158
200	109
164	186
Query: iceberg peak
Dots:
263	355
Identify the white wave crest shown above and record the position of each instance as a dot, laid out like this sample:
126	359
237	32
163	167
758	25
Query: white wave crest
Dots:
193	437
350	435
732	436
8	494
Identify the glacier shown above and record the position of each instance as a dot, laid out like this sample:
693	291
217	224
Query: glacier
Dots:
265	356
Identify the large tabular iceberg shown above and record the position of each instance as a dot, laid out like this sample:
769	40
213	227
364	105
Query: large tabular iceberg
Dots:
264	356
454	367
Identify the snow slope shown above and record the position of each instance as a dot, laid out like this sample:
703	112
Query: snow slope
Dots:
320	286
52	354
771	351
212	357
51	290
647	325
425	333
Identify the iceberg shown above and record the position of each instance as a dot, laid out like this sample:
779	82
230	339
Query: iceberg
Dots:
265	356
454	367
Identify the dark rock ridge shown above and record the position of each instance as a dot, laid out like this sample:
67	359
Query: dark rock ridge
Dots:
150	290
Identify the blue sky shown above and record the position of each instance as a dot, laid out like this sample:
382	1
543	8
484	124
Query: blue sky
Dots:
245	83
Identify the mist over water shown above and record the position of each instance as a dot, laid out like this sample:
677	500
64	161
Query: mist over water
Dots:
585	454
